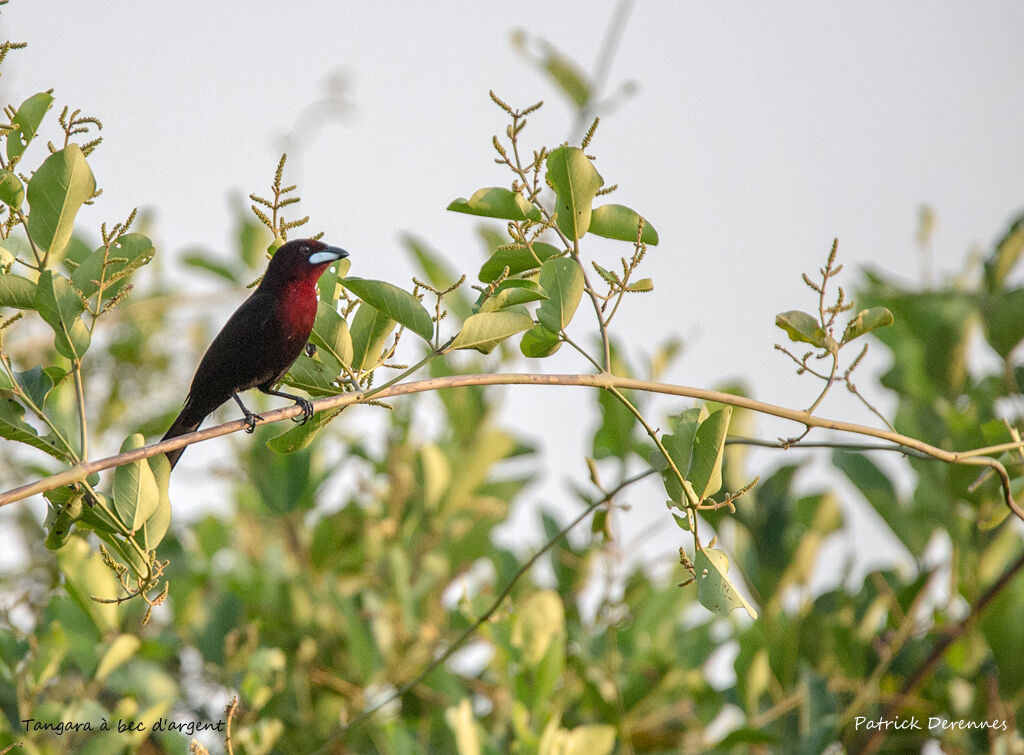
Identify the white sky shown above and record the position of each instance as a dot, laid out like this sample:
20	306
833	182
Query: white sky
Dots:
760	132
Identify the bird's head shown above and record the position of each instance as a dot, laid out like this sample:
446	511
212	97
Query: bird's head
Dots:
301	260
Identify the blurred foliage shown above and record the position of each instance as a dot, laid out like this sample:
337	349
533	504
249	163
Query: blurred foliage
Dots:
348	561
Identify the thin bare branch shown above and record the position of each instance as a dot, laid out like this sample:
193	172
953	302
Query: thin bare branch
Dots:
604	380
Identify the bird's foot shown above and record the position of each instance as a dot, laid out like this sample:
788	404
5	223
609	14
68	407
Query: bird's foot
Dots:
251	420
307	411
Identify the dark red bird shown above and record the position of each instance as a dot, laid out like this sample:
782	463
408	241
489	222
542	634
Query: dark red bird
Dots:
264	336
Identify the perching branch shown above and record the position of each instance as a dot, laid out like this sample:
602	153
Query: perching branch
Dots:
971	457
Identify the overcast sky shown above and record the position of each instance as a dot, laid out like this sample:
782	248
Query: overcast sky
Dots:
758	133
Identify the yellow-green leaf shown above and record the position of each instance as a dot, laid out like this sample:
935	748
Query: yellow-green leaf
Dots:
496	202
616	221
576	182
56	192
562	280
396	303
714	590
485	330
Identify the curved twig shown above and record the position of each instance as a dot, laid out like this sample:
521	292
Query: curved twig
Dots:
603	380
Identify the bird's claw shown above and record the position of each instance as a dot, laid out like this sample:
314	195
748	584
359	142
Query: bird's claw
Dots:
307	411
251	421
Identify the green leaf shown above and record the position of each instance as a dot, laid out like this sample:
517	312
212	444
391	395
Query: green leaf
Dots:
568	76
118	652
27	120
17	292
866	321
1007	253
60	306
136	493
679	445
496	202
56	191
327	284
331	334
539	342
463	725
159	521
86	575
13	427
641	286
517	259
562	279
486	330
509	293
66	508
714	590
128	253
440	275
315	378
536	624
576	183
37	382
396	303
616	221
705	473
370	330
302	435
1003	317
801	327
96	517
203	261
12	191
589	739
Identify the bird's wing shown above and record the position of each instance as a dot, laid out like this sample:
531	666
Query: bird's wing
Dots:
243	354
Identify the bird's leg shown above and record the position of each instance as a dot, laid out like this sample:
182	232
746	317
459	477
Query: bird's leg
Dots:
307	407
250	418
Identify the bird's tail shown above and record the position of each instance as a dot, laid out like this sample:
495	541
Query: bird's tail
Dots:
187	422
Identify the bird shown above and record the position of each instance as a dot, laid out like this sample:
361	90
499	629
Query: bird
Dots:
260	340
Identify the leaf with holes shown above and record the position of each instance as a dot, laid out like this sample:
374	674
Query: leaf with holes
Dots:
26	121
714	590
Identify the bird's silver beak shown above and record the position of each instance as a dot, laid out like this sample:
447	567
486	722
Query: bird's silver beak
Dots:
330	254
